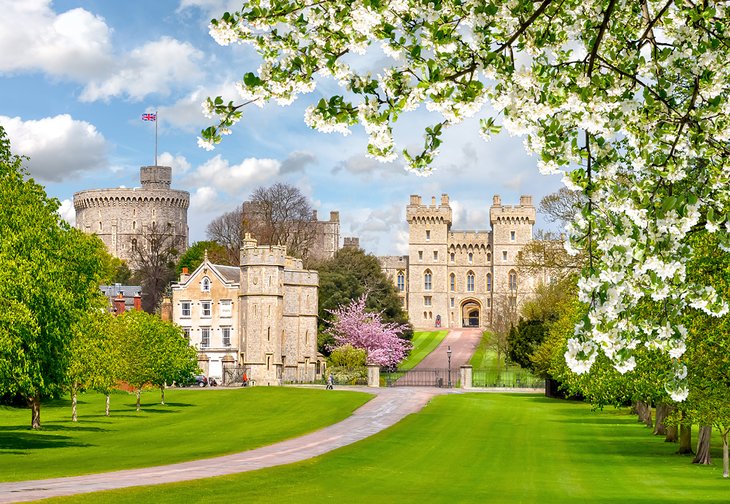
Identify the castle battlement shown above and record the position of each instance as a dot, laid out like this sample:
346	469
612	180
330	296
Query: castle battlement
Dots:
121	216
437	214
524	213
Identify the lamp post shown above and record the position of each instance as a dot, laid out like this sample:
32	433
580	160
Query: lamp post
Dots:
448	354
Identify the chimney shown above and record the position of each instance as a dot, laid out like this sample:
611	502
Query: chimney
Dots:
184	275
119	303
334	216
166	309
138	301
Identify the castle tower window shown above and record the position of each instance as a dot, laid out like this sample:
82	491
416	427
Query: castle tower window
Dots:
101	226
512	236
426	300
428	234
134	225
453	257
512	280
226	331
427	280
471	257
489	282
489	256
504	255
435	255
420	255
205	285
452	282
134	244
452	302
401	281
470	281
204	337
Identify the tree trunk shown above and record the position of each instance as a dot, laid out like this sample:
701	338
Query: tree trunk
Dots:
139	393
162	393
703	446
644	411
725	458
35	415
685	437
74	417
108	399
662	411
672	434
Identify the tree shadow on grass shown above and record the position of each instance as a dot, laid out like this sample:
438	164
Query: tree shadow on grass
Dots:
20	443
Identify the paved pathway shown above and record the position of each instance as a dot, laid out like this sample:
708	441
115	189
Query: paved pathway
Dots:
463	342
387	408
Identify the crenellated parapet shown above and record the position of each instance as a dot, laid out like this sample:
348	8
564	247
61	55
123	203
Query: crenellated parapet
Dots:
419	213
121	216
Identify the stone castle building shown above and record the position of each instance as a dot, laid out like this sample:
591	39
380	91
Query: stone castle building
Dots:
124	217
461	278
259	318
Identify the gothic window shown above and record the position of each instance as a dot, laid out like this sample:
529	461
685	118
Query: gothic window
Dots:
512	236
134	244
453	257
504	255
471	257
452	282
205	285
489	282
489	256
428	234
427	280
435	255
401	281
420	255
512	280
470	281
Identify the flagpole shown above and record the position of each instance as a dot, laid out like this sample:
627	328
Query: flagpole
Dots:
156	119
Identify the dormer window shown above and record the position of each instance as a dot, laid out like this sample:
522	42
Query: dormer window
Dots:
205	285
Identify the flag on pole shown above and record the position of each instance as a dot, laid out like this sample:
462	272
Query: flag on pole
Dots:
149	117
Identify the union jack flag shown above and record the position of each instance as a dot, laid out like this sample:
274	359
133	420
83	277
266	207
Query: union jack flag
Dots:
149	117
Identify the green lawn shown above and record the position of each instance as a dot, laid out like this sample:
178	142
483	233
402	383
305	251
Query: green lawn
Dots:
195	423
488	371
492	448
423	344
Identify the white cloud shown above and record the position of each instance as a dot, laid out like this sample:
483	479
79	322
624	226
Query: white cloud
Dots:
74	44
205	199
234	179
67	212
179	163
155	67
379	229
212	8
58	147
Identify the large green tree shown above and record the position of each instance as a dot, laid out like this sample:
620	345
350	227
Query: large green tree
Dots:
626	100
349	275
49	279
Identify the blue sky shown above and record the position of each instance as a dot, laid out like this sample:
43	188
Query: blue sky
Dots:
75	77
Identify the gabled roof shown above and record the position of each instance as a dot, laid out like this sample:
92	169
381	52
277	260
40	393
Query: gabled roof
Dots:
229	275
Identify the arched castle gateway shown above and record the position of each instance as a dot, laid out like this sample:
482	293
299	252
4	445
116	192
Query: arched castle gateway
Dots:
461	278
122	217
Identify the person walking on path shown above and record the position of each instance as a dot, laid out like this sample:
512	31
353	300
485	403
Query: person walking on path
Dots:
330	383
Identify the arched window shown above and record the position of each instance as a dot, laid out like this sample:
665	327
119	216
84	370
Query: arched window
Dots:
401	281
453	257
470	281
134	244
205	285
427	280
513	280
452	282
471	257
489	282
489	256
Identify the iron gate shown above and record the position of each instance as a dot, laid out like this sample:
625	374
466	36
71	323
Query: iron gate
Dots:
420	378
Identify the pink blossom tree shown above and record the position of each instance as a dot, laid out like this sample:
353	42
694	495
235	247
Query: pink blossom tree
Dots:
354	326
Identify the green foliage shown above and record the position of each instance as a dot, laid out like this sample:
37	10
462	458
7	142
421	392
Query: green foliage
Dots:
193	256
49	278
524	340
348	356
347	276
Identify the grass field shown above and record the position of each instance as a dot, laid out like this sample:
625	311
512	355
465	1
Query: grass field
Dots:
488	371
487	448
423	344
195	423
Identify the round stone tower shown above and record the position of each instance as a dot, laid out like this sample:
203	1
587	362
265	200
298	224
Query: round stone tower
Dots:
125	218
